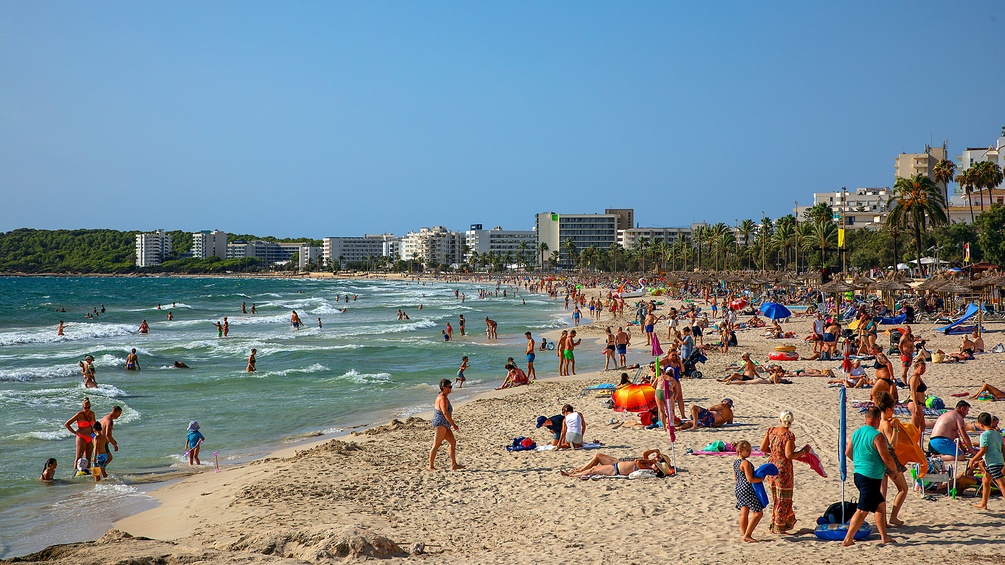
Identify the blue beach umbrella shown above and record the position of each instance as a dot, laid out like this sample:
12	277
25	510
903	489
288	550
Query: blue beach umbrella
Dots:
775	311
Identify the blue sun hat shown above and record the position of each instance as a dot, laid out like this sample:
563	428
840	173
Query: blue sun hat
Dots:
193	426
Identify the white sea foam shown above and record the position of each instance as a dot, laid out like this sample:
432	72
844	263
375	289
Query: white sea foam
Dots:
73	332
362	378
24	374
317	367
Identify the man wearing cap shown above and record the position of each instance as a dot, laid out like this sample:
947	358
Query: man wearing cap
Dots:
554	424
711	417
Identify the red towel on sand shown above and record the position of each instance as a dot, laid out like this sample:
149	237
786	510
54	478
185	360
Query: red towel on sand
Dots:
810	458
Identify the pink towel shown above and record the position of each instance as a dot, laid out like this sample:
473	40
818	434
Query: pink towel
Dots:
810	458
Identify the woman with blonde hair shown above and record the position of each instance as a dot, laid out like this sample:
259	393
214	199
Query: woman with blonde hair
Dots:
780	443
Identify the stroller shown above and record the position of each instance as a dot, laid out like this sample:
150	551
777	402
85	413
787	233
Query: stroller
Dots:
693	359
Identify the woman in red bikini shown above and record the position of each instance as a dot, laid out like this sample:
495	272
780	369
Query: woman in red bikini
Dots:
85	434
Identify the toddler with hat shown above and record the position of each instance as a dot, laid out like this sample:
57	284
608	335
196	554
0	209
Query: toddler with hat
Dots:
192	443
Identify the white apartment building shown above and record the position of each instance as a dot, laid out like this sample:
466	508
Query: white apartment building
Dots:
433	246
857	209
347	250
994	153
272	253
500	242
629	238
207	244
583	230
152	248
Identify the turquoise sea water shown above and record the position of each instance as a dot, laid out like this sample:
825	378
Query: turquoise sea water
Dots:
363	367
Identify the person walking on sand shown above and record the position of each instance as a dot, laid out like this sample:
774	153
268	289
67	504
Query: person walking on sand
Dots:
989	455
870	455
621	344
251	362
444	427
750	507
780	443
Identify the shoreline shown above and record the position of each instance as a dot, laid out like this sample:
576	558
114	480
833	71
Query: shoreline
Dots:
358	494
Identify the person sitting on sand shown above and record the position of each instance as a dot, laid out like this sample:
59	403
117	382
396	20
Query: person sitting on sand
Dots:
857	378
978	342
989	391
514	377
755	322
554	425
748	373
775	331
609	466
712	417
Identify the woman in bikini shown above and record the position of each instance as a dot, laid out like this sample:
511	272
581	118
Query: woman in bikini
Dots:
443	421
609	351
918	390
884	377
608	466
87	370
85	433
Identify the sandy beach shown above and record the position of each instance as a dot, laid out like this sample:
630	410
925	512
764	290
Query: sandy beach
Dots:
369	494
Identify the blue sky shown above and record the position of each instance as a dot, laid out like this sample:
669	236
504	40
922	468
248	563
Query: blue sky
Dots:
342	118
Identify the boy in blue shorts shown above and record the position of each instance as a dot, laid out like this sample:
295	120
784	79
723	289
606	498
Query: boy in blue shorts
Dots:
990	454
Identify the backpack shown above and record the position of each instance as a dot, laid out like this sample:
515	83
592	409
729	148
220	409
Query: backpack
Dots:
935	402
833	513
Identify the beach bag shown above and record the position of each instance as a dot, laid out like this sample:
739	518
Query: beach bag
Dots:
719	446
833	513
521	444
934	402
939	356
1000	348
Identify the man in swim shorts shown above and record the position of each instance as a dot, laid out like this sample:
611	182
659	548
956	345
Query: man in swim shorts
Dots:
950	427
100	455
621	344
570	358
712	417
531	374
870	453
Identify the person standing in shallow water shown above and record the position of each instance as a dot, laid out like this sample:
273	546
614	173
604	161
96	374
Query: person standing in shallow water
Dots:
251	362
444	427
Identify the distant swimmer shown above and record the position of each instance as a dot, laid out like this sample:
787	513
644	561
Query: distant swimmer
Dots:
49	471
226	327
59	328
144	328
319	323
158	306
102	308
295	320
253	310
219	329
132	361
244	308
170	316
251	362
87	370
180	365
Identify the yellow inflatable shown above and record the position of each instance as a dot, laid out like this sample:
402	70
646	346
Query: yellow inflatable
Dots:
785	348
854	324
908	448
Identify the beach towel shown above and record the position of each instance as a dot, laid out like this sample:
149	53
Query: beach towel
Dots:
765	470
585	446
521	444
898	410
810	458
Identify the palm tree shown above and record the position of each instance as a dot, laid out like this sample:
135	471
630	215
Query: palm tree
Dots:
967	180
820	235
614	255
570	250
555	258
641	245
989	176
945	170
542	248
699	238
522	256
746	228
783	237
917	201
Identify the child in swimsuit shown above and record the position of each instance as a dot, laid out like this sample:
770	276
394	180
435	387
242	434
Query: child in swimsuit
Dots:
747	503
460	372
